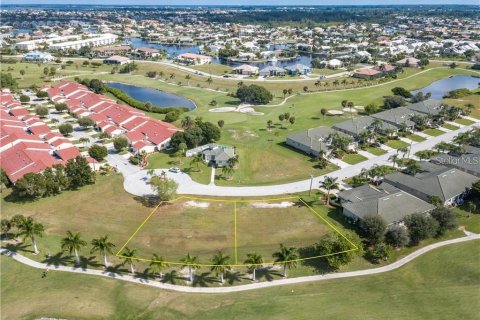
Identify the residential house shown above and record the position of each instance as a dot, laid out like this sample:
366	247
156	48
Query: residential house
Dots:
450	185
356	126
385	201
314	141
213	154
398	117
117	60
431	108
408	62
298	69
246	70
193	58
272	71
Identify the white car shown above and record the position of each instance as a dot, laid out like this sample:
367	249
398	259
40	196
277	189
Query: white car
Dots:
175	170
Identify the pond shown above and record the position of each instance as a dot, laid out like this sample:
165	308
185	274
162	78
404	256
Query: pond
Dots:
439	88
158	98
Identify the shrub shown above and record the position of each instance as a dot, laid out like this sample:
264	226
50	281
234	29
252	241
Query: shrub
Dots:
120	143
42	94
98	152
41	111
65	129
172	116
420	226
24	98
60	107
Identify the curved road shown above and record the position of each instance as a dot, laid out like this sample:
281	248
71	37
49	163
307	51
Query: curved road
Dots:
246	287
136	180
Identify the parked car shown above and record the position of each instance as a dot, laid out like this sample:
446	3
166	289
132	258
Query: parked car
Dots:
175	170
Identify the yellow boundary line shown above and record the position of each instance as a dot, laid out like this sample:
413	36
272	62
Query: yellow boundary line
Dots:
236	264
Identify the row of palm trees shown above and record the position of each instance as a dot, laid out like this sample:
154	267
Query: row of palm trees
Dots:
220	263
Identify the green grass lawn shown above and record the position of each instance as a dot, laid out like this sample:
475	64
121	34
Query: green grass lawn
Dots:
353	158
396	144
375	151
465	122
415	137
165	160
433	132
216	69
442	284
450	126
473	99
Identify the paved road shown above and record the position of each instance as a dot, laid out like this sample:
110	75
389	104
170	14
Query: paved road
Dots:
252	286
137	183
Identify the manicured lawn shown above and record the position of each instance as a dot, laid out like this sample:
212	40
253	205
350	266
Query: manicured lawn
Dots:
165	160
415	137
375	151
433	132
449	126
465	122
441	284
216	69
396	144
353	158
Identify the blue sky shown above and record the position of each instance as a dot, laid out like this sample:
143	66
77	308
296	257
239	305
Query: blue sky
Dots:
241	2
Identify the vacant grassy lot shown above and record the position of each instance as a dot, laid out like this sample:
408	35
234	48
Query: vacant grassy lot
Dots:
473	99
261	229
216	69
433	132
465	122
375	151
415	137
201	227
353	158
397	144
450	126
442	284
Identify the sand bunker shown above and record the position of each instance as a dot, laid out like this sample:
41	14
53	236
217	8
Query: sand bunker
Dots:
196	204
283	204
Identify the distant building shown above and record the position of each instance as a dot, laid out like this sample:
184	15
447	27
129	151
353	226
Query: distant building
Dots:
272	71
246	70
298	69
468	162
117	60
213	154
95	41
146	52
37	56
193	58
408	61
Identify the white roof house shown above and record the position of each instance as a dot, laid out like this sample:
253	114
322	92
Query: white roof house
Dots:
38	56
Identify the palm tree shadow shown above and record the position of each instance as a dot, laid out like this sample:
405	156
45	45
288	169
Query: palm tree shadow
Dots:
203	279
58	260
170	277
20	246
143	276
233	277
267	273
90	261
116	269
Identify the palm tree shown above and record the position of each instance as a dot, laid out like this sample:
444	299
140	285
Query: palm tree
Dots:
29	229
393	158
287	257
227	171
253	261
158	264
73	243
129	256
188	77
220	264
104	246
161	74
191	263
329	183
209	81
403	150
187	122
172	75
84	140
196	160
